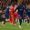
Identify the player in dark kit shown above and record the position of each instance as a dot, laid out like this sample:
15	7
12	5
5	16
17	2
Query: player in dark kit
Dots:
28	13
20	12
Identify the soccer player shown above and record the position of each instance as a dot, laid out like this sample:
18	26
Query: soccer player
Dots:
11	12
20	8
15	16
28	13
7	13
3	18
28	10
20	13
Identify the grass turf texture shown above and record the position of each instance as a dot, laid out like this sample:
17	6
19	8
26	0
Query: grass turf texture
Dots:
9	26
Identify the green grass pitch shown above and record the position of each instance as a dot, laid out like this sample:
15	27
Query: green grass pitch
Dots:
8	26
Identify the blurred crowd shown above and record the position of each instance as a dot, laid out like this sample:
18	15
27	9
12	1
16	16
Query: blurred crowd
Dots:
8	7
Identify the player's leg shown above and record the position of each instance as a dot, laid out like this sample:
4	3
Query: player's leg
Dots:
3	21
28	17
14	22
28	20
20	21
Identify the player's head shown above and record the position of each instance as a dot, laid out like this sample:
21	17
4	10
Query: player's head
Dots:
13	4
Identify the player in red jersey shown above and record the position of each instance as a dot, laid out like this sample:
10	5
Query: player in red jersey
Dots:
12	9
15	16
11	13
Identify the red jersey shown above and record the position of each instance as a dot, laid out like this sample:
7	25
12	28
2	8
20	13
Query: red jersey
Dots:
15	15
11	8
